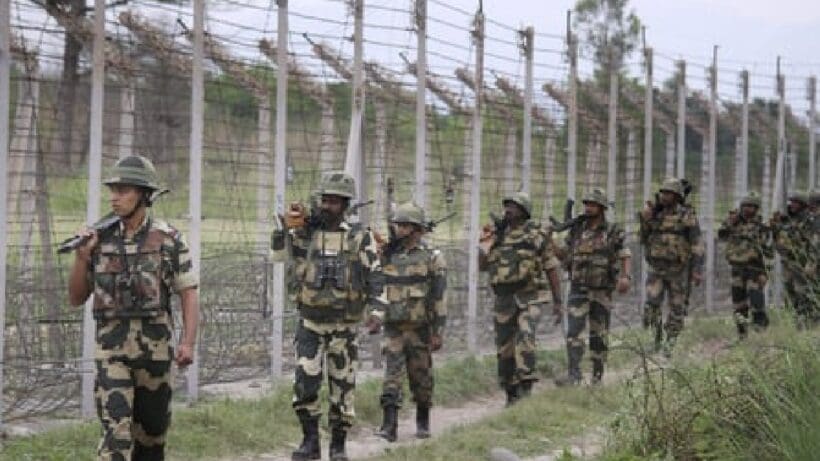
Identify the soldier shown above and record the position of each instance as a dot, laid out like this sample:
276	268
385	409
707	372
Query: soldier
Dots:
748	247
516	253
598	262
671	235
132	267
796	242
415	277
335	273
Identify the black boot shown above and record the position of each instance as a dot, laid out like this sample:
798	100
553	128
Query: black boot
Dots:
573	377
525	388
597	371
422	422
390	423
742	331
337	444
310	448
760	320
512	394
658	335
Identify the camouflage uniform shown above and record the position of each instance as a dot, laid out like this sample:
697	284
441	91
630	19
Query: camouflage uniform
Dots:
594	255
748	247
132	280
415	280
797	243
672	239
516	265
331	274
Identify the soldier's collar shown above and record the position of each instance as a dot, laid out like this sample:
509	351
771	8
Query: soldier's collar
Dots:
143	227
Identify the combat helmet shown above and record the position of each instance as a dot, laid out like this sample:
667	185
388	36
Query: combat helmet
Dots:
522	199
597	196
673	185
814	197
134	170
751	199
338	183
408	212
799	196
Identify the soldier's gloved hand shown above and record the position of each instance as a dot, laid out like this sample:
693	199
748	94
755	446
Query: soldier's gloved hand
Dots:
296	216
697	278
435	342
373	325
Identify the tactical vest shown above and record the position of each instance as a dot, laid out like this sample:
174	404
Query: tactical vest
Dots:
744	245
331	277
407	278
132	281
593	259
514	261
792	240
668	243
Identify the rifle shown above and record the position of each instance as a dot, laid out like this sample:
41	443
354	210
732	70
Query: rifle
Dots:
569	221
72	243
500	225
430	226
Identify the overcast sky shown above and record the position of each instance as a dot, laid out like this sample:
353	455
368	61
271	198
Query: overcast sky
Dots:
750	34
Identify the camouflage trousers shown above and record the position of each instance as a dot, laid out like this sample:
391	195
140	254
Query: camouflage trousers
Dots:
407	352
133	403
673	285
334	345
516	321
595	305
801	294
748	294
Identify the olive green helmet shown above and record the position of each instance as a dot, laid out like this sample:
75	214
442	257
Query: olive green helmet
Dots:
596	195
134	170
338	183
799	196
751	199
814	196
408	212
522	199
672	185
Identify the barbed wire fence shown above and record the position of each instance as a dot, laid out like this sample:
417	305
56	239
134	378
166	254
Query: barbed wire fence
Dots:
527	104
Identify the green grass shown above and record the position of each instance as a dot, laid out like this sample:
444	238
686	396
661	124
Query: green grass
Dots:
220	427
759	399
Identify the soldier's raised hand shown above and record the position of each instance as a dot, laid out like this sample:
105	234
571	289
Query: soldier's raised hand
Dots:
295	217
733	217
697	278
646	213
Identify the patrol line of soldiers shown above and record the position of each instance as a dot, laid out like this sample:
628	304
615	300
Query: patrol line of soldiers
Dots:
342	273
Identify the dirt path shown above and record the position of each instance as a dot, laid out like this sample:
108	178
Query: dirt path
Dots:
363	444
